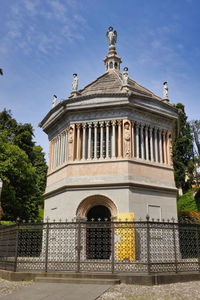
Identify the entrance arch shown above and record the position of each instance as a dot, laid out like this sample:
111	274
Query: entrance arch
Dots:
96	200
98	210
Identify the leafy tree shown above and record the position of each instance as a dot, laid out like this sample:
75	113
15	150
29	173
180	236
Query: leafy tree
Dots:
41	170
22	169
183	153
19	183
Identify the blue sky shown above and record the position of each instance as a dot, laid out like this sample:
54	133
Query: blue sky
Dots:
43	42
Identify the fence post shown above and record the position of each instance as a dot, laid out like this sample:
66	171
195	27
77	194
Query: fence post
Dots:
174	240
112	245
47	245
148	245
79	245
197	239
16	247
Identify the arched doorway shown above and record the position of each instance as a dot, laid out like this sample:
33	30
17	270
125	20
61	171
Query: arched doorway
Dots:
98	233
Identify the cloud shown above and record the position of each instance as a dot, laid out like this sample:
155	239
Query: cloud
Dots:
42	25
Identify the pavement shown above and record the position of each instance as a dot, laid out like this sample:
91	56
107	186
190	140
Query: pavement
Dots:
58	291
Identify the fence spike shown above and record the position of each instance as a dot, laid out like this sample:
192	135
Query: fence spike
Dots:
173	219
99	219
24	221
158	220
168	220
152	219
106	219
163	220
147	217
60	220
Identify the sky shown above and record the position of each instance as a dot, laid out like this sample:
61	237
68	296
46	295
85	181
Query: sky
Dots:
43	42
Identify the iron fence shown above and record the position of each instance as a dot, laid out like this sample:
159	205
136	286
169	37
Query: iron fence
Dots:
108	246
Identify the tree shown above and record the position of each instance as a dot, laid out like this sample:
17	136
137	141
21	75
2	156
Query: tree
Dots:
22	169
19	183
183	153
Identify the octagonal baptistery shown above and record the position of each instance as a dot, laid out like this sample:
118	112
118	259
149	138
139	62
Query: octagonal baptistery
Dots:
111	150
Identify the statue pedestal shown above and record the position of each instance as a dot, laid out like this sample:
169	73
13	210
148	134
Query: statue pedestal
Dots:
74	94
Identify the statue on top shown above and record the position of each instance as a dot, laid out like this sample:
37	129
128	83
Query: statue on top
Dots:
165	90
111	36
75	83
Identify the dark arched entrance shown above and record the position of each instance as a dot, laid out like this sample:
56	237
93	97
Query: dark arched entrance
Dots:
98	237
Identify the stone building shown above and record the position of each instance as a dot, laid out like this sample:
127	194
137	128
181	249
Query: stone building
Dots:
111	149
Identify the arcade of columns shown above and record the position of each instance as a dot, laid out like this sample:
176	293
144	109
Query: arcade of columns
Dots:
113	139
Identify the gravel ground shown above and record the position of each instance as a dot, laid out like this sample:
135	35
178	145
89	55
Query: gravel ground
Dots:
175	291
7	287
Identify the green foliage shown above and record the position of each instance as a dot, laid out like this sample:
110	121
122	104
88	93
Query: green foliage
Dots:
22	169
187	202
183	153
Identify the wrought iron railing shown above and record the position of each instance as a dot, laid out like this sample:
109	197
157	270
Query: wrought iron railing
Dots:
108	246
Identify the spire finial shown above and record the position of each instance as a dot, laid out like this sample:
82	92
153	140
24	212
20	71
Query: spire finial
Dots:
112	61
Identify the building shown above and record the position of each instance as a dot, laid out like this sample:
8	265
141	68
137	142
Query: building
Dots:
111	149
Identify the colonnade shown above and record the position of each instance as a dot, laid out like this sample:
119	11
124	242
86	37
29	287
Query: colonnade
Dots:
112	139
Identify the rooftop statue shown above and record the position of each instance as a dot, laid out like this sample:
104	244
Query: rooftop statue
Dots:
111	36
75	83
165	90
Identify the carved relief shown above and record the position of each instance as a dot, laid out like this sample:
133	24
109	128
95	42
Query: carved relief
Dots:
71	142
127	139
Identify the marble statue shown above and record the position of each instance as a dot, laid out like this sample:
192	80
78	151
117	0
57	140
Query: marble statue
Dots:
125	76
111	36
165	90
70	143
75	83
127	140
54	101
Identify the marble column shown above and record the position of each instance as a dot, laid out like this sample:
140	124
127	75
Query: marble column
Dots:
160	145
101	139
164	146
107	138
147	142
89	139
137	140
78	143
142	140
119	122
113	139
151	142
156	144
95	139
84	141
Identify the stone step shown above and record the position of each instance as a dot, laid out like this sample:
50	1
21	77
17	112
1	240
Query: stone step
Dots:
79	275
78	280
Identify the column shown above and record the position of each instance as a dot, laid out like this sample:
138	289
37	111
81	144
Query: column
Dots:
78	142
64	146
119	122
113	139
61	148
84	144
147	142
132	138
164	146
160	145
50	154
107	138
95	139
156	144
101	139
142	140
151	142
89	139
137	140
